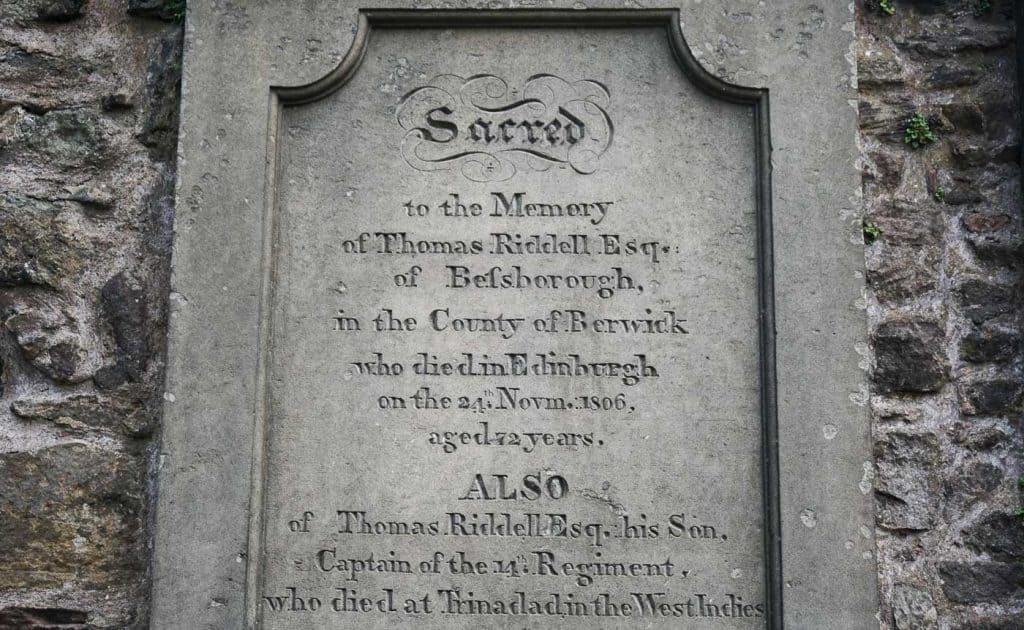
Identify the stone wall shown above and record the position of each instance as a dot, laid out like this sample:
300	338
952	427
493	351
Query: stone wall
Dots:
88	118
88	130
944	271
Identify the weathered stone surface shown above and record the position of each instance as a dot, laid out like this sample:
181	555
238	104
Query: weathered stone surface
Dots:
968	482
906	479
81	200
948	36
905	260
47	66
61	10
39	244
895	410
162	9
990	391
39	78
124	308
365	121
886	118
910	222
980	223
100	197
62	139
160	119
913	609
982	434
966	189
969	152
982	581
996	341
993	622
877	66
26	12
1000	535
883	171
995	234
75	211
959	70
51	339
908	356
900	273
982	299
953	73
964	116
117	101
26	618
69	514
85	412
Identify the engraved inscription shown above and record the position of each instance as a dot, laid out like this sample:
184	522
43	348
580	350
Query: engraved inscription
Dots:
488	131
522	404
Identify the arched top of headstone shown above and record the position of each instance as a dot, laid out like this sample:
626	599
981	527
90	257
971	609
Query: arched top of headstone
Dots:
370	19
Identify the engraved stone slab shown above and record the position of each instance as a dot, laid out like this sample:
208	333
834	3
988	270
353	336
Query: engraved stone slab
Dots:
488	338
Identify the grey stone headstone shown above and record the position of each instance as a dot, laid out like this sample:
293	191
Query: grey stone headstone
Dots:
516	319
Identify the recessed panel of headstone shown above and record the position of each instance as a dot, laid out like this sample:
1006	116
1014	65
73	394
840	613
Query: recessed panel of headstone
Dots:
515	359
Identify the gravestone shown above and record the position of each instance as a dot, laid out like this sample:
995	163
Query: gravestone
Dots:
514	319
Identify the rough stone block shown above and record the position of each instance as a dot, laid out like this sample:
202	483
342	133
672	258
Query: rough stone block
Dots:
886	118
124	308
947	36
906	481
967	483
87	412
159	125
973	151
982	434
909	356
161	9
913	609
953	73
900	273
60	139
879	67
69	514
39	245
910	222
994	622
994	341
61	10
998	534
26	13
51	339
990	391
982	299
978	582
884	169
28	618
995	234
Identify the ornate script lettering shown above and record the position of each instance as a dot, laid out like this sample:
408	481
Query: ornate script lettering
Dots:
487	131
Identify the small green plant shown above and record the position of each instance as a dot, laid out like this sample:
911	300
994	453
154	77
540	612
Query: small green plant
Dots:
1019	512
981	7
918	132
871	232
940	194
887	7
175	9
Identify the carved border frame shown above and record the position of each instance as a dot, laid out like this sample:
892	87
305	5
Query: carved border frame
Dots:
669	19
